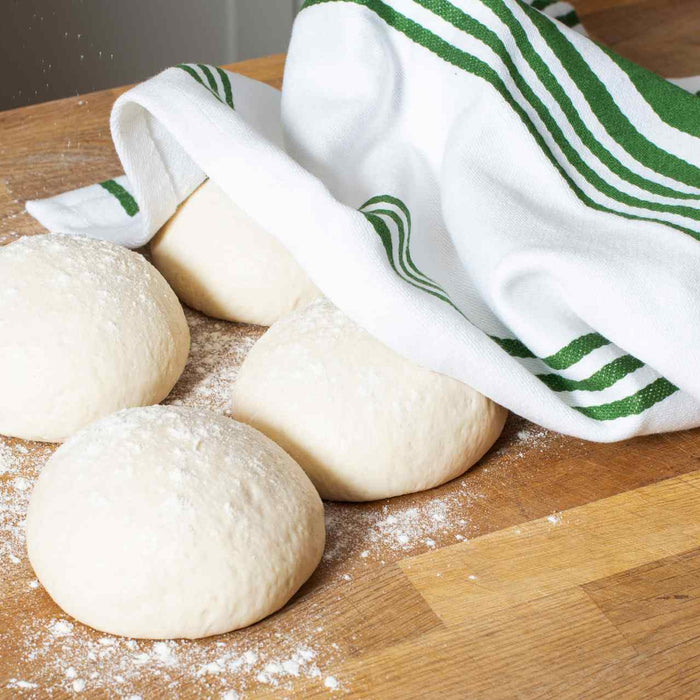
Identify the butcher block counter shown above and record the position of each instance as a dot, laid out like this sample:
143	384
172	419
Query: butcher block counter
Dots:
556	568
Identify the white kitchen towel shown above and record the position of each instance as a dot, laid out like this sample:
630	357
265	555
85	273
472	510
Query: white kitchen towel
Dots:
483	188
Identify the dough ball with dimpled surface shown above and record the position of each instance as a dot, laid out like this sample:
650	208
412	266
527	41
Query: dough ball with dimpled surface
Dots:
86	328
362	421
166	522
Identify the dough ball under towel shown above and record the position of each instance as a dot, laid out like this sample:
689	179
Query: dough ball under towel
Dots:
362	421
219	261
165	522
86	328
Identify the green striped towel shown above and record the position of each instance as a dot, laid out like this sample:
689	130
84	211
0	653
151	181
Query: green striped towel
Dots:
481	186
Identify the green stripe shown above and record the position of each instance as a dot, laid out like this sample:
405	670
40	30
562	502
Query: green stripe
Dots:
389	199
384	234
409	266
633	405
464	22
604	378
513	347
570	19
575	351
606	109
478	68
542	4
191	71
125	198
569	355
209	76
211	80
419	278
227	87
395	201
674	105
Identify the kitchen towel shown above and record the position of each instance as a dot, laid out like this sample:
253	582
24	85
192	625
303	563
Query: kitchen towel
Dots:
482	187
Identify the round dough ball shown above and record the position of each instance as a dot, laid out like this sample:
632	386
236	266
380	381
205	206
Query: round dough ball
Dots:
166	522
86	328
219	261
362	421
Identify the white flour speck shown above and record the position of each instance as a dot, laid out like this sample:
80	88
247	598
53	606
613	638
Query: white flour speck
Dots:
164	652
61	628
25	685
213	667
21	484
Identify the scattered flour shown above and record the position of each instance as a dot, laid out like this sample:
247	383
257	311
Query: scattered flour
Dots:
331	682
19	467
58	656
164	652
407	524
217	351
61	628
25	685
208	667
523	439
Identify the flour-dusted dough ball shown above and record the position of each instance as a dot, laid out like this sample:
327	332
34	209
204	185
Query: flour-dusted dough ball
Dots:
222	263
86	328
166	522
362	421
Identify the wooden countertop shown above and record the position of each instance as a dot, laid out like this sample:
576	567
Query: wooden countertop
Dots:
556	568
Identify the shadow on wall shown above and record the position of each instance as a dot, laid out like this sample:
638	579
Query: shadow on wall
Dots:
65	47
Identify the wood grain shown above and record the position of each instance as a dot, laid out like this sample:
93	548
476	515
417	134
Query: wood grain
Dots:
601	600
546	556
658	34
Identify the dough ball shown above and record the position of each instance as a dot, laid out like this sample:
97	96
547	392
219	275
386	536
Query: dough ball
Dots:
166	522
86	328
362	421
222	263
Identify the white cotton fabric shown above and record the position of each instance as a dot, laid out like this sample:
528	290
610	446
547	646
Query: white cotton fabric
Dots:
501	245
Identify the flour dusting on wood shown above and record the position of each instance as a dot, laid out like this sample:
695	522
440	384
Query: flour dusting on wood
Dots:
299	645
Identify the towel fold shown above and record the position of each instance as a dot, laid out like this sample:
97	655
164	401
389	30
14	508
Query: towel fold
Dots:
482	187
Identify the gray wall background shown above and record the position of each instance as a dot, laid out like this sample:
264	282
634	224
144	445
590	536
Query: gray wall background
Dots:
56	48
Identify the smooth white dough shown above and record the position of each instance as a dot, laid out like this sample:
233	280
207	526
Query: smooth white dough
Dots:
362	421
167	522
86	328
219	261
